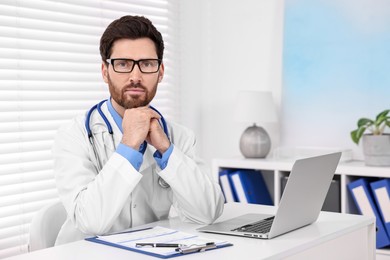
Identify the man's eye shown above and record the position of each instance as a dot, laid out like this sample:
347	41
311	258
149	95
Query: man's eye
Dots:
122	64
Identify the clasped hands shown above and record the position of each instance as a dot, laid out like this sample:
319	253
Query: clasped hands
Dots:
141	124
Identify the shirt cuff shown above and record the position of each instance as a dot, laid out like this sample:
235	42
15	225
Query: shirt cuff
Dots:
162	160
133	156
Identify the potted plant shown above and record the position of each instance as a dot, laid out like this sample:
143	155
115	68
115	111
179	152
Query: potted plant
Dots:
376	143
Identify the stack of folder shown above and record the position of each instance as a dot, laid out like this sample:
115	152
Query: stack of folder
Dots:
246	186
372	199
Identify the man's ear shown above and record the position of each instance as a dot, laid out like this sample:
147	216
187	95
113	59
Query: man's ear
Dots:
161	73
105	72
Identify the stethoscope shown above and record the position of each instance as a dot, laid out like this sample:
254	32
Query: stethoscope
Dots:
142	149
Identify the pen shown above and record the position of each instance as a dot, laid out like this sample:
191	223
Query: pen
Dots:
158	245
196	248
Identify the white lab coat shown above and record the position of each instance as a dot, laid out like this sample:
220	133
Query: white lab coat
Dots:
120	197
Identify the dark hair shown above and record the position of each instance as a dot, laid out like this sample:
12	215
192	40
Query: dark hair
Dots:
130	27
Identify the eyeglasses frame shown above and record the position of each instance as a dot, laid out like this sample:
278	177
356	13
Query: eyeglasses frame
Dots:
135	62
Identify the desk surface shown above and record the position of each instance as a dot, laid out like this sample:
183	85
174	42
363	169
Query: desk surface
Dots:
328	227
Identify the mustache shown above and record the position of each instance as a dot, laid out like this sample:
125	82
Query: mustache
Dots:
134	85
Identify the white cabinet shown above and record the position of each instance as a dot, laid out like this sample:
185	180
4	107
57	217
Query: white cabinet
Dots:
273	172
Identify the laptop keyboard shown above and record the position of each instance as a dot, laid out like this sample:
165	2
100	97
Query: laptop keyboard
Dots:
263	226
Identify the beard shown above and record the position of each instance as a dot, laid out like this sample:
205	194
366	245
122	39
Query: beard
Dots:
128	101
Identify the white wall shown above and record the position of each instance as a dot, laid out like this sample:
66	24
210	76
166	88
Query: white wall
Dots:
227	46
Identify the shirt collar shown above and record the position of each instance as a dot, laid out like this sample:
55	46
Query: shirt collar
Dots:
115	115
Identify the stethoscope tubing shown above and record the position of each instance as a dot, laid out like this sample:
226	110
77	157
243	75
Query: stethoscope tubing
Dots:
97	107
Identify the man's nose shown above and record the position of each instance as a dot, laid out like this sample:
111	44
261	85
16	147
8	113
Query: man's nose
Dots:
135	74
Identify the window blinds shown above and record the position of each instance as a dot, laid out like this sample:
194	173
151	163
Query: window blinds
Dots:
49	73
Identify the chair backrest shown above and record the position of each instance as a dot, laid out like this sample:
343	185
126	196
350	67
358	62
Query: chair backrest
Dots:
45	226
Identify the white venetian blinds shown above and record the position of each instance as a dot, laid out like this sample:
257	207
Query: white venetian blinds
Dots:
49	73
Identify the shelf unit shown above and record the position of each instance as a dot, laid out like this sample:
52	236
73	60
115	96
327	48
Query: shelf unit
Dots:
274	170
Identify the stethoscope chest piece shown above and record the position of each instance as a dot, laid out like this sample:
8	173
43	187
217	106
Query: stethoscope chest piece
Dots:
163	183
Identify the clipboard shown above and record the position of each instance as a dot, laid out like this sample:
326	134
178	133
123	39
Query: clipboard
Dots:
190	243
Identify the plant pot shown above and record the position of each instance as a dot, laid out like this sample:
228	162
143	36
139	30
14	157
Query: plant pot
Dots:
376	150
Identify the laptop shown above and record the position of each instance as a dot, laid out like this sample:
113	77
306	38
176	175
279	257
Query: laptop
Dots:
300	205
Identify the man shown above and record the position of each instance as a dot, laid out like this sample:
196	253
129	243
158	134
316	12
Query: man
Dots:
111	183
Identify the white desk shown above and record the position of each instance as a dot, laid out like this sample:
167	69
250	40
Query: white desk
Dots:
333	236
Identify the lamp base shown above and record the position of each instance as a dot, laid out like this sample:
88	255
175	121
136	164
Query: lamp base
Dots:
255	142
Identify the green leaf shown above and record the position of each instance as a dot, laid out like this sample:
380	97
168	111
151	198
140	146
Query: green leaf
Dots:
365	122
380	120
382	114
361	131
357	134
354	136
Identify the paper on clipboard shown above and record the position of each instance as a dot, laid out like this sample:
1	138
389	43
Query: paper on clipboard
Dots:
128	240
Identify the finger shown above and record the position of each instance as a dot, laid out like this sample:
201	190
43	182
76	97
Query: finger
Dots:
155	124
157	137
154	114
136	125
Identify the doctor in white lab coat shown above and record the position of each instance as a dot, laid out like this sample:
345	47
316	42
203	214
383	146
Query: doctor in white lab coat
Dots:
127	189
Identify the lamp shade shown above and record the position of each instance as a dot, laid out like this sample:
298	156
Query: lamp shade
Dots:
255	107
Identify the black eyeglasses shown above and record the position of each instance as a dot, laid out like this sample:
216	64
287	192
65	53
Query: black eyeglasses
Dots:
127	65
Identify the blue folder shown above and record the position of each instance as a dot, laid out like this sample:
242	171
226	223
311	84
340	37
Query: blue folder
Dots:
249	187
381	191
225	183
362	196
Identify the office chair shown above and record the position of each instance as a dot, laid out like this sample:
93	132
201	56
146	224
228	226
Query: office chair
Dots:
45	226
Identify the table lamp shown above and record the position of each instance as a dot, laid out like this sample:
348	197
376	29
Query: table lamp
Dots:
255	107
